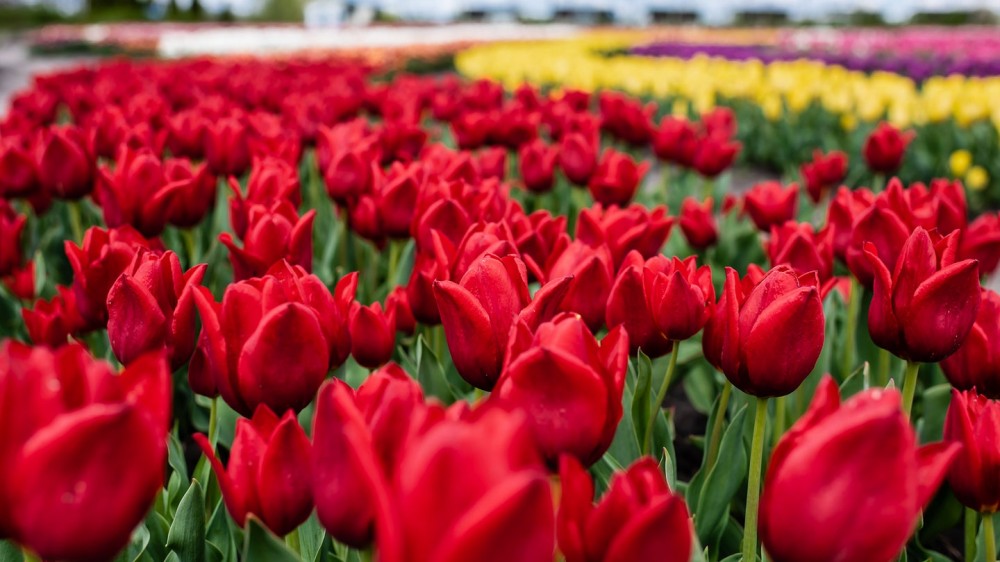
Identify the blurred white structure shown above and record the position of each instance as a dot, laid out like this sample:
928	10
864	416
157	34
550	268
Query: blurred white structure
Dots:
638	12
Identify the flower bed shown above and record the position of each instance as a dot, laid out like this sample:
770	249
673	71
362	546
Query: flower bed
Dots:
296	310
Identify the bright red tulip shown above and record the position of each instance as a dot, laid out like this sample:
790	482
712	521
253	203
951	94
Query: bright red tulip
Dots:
273	234
569	385
625	229
272	340
770	203
537	162
189	193
151	307
592	273
68	425
766	335
578	157
797	245
823	173
227	151
698	222
269	472
64	163
885	147
923	309
52	321
981	241
18	177
637	519
676	141
976	364
848	482
626	118
616	178
845	207
11	226
715	155
973	421
132	193
373	334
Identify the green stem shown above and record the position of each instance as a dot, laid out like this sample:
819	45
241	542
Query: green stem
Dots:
970	535
76	220
213	421
661	395
28	556
779	420
367	555
989	539
878	183
187	234
707	188
395	250
293	542
720	419
851	330
884	360
753	482
910	385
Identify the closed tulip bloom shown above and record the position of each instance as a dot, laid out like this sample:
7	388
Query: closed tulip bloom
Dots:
537	163
680	294
569	385
715	155
186	133
719	122
973	421
885	147
803	249
697	221
539	236
592	273
11	226
766	335
578	157
21	282
976	364
771	204
616	178
131	193
823	173
492	163
273	234
676	141
272	340
882	228
629	307
845	207
18	177
52	321
189	193
924	309
227	150
848	482
349	174
271	180
625	229
151	307
269	472
637	519
626	118
397	198
482	478
398	305
68	425
97	263
981	241
373	334
64	163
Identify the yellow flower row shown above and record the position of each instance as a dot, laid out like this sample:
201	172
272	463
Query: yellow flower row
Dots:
583	63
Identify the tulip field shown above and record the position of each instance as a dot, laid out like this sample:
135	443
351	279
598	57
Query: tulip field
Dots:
527	309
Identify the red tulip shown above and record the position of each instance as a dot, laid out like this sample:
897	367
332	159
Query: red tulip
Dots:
625	229
592	273
272	340
537	162
538	237
151	307
273	234
18	177
976	364
885	231
676	141
884	148
981	241
64	163
226	150
131	193
698	222
373	335
11	226
924	309
271	181
680	295
973	421
51	321
578	157
715	155
478	312
68	425
845	207
848	482
186	133
797	245
719	122
398	305
397	198
771	204
823	173
766	335
97	263
616	178
486	486
569	385
189	193
626	118
269	471
349	174
637	519
492	163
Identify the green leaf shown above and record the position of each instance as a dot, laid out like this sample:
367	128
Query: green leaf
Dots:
187	532
722	483
9	552
137	544
261	545
218	534
936	400
641	397
311	538
158	530
430	374
175	456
